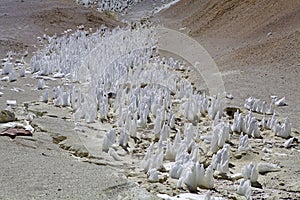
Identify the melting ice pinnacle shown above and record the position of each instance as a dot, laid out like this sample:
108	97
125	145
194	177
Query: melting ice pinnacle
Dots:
44	98
41	84
253	104
220	161
245	189
170	151
109	139
288	143
284	131
153	176
22	72
244	144
12	75
250	172
195	175
280	102
248	125
214	108
8	67
176	170
220	136
188	135
123	139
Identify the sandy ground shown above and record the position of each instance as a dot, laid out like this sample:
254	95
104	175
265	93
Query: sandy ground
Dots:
245	55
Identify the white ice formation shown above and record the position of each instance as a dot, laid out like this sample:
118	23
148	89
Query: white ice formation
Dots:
45	96
282	130
220	160
244	189
12	75
8	67
153	175
109	140
22	72
41	84
280	102
117	6
250	172
153	159
288	143
220	136
267	167
244	144
114	76
247	124
254	105
196	176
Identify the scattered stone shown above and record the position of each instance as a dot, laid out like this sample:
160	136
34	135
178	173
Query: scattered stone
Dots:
13	132
7	116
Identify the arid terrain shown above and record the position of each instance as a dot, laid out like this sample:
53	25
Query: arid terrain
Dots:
256	46
22	22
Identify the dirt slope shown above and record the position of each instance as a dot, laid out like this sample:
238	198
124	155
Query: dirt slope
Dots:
22	22
256	45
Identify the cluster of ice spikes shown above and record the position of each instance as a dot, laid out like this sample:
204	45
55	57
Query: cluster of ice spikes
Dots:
117	6
281	130
220	136
254	105
247	124
9	68
123	83
244	144
250	175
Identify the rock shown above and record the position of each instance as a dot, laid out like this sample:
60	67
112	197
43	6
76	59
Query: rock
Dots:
7	116
13	132
230	111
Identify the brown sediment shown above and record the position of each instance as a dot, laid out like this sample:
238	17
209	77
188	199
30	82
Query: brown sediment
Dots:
255	45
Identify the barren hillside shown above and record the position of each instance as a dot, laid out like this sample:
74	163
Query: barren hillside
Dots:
256	45
22	22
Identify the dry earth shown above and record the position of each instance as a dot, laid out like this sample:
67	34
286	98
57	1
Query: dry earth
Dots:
35	167
23	21
255	44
